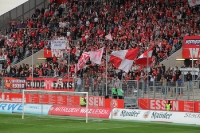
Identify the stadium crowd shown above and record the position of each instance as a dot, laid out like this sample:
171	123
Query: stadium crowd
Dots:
161	24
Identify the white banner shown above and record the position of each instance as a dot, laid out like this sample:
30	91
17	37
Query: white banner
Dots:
157	116
3	57
96	56
82	61
193	71
193	2
58	44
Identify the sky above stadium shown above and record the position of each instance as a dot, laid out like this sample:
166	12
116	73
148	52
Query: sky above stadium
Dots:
7	5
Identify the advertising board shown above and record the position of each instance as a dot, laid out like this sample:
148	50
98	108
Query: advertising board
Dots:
62	110
156	116
61	99
28	108
177	105
79	111
14	83
50	84
191	47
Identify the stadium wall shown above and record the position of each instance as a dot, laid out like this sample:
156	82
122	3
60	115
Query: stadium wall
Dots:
22	12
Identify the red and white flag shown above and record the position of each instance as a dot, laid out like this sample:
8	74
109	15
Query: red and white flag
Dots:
193	2
123	59
109	37
145	59
96	56
82	61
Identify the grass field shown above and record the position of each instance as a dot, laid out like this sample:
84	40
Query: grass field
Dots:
35	124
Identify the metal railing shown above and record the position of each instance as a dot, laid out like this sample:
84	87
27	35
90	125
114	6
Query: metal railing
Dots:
132	88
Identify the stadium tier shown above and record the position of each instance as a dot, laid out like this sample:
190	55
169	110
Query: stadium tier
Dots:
121	53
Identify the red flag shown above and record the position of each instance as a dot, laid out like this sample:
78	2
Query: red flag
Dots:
82	61
123	59
145	58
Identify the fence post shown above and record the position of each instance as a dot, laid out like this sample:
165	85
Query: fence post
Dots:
2	84
137	88
154	93
176	89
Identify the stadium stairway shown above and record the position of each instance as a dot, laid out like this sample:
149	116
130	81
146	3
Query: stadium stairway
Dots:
171	60
38	57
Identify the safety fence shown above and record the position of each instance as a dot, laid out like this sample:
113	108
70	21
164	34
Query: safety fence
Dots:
151	95
97	86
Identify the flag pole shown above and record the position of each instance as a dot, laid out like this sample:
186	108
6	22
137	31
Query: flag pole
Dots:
192	66
106	72
68	69
147	89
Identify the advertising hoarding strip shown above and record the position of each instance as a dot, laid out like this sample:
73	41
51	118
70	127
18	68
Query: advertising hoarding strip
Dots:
177	105
61	110
61	99
155	116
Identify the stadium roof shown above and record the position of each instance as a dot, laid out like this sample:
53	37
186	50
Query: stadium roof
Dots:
7	5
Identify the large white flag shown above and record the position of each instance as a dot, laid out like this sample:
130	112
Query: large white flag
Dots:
96	56
193	2
82	61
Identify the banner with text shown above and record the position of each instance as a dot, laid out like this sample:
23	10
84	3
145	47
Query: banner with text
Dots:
28	108
61	99
79	111
157	116
3	57
14	83
54	110
177	105
82	61
50	84
193	71
193	2
49	53
59	44
191	47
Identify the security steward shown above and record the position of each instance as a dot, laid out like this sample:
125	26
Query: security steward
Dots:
120	93
82	101
168	106
114	93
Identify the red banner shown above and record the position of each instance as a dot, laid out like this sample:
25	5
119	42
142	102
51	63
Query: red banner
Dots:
49	53
82	61
11	97
61	99
79	111
14	83
50	84
191	47
177	105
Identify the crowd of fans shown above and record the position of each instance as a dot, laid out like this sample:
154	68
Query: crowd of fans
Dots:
161	24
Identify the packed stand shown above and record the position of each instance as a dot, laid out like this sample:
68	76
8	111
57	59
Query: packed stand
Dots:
134	23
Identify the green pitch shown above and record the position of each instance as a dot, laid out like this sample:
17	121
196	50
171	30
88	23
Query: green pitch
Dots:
35	124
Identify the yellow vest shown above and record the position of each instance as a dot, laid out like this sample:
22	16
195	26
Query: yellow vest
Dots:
82	102
168	107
